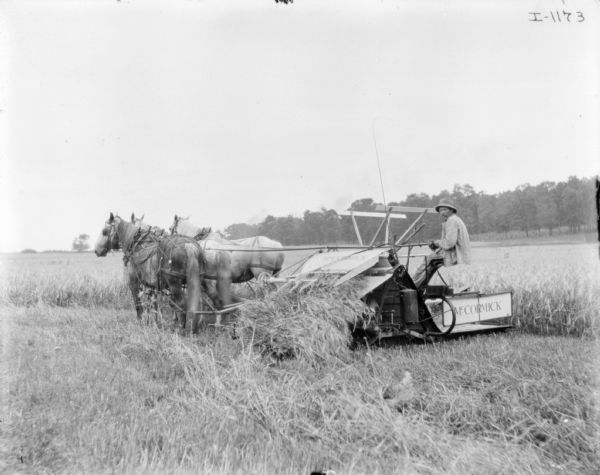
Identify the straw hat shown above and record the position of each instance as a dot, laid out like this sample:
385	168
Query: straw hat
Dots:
445	204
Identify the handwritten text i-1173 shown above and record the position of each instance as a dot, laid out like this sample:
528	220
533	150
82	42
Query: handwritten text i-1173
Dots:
557	16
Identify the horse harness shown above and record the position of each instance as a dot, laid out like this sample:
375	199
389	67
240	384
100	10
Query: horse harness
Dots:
139	238
150	240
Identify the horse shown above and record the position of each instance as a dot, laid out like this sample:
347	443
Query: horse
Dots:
159	262
249	257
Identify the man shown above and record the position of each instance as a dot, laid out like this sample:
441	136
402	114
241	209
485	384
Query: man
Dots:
455	242
454	246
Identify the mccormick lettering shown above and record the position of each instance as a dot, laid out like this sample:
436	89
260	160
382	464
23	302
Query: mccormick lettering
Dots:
476	309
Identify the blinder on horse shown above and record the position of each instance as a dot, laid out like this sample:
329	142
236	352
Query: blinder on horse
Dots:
111	231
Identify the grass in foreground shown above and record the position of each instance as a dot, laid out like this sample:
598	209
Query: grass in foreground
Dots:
92	390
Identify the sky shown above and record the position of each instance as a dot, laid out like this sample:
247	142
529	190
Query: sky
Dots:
229	111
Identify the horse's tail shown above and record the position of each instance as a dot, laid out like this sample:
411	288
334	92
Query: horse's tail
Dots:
279	262
194	277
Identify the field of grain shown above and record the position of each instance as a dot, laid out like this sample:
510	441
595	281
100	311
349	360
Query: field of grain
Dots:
90	389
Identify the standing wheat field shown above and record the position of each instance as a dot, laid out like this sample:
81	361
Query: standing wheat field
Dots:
89	389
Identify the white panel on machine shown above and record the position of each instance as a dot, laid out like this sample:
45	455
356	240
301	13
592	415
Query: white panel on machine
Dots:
478	308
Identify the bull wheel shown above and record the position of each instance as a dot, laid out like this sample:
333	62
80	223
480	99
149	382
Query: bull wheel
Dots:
442	316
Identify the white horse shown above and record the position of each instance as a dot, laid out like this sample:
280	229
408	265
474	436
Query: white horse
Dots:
249	258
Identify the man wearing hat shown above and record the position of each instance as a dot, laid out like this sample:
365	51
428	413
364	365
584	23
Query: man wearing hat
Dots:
455	245
455	242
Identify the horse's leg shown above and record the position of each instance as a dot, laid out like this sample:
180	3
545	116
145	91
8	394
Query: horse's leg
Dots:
210	288
224	284
178	300
278	263
155	308
224	280
134	287
193	302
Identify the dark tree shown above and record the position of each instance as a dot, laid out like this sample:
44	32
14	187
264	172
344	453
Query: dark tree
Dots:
420	200
488	213
523	209
547	205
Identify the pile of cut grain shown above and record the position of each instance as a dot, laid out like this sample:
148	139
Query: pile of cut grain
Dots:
312	321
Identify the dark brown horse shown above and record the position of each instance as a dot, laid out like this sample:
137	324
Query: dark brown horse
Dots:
158	261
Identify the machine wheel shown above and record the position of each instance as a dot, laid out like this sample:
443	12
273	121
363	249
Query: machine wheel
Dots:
436	320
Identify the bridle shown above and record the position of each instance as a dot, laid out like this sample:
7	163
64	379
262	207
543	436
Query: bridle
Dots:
111	232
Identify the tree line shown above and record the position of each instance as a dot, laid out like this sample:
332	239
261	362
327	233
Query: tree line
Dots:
567	205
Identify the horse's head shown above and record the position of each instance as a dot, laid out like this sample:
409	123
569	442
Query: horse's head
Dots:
108	239
176	221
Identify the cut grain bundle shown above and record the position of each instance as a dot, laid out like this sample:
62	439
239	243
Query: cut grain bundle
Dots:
312	321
